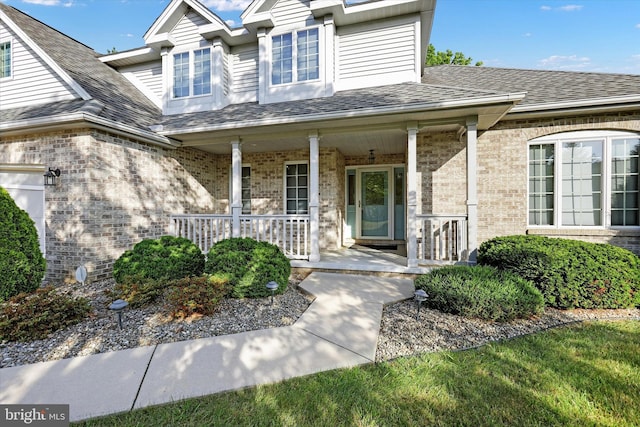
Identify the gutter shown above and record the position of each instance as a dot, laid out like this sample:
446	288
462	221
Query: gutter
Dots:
352	114
597	105
65	120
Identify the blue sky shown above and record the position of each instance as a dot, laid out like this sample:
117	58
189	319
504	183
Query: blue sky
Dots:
572	35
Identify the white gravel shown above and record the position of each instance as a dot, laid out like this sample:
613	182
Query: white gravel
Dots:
400	333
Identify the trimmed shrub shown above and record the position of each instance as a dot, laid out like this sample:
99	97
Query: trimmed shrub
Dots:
569	273
27	317
167	258
22	265
482	292
197	295
250	265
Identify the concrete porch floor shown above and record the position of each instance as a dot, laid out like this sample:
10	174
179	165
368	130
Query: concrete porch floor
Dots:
361	259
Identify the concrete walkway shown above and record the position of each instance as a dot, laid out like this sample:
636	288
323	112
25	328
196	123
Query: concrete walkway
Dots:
339	330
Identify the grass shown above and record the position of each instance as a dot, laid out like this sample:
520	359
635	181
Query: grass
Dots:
582	375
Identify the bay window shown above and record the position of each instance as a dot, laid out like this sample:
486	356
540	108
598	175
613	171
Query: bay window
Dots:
584	179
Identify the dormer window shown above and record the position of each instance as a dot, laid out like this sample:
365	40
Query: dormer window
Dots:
192	73
5	59
295	57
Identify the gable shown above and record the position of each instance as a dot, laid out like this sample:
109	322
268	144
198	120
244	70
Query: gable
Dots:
32	80
187	30
290	12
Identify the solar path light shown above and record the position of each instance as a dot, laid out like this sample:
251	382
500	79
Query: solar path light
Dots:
420	296
118	306
272	286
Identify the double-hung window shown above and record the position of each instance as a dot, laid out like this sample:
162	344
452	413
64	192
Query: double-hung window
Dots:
295	57
297	188
5	59
584	179
192	73
245	188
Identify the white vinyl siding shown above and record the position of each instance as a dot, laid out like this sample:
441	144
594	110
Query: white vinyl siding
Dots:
288	12
245	72
375	54
186	31
32	81
148	77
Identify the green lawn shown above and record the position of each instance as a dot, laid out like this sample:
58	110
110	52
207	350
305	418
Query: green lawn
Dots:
584	375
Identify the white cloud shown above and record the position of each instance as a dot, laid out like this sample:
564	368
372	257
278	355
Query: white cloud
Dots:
226	5
638	26
561	62
565	8
527	35
570	8
43	2
230	22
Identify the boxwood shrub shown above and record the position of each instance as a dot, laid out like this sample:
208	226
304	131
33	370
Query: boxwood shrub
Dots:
250	265
569	273
166	258
22	265
480	292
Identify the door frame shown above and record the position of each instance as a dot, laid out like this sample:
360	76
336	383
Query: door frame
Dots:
360	207
357	223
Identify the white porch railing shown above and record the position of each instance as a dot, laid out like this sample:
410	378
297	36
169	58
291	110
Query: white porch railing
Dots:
442	238
289	232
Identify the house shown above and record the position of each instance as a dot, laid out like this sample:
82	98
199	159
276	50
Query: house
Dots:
314	126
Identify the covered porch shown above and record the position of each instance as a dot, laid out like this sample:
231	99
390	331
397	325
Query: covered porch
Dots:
315	181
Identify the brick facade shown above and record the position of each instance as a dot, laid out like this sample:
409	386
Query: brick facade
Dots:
114	191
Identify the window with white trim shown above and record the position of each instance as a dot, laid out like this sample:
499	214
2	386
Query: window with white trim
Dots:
295	56
245	190
584	179
5	59
192	73
297	188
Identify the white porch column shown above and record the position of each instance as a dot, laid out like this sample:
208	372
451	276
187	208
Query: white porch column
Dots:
314	196
472	189
236	186
412	199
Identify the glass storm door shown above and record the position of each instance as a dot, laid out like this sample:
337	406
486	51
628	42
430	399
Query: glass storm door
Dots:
375	206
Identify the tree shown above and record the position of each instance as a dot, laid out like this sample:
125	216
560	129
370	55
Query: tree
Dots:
447	57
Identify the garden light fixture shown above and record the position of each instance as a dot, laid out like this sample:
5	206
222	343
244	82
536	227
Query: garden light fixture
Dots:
420	296
272	286
117	306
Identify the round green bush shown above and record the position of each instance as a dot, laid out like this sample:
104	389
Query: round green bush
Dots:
250	265
167	258
22	265
481	292
569	273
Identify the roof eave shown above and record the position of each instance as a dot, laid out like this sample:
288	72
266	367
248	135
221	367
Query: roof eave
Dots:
79	119
583	106
510	99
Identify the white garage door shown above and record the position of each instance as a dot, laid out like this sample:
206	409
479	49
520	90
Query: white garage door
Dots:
25	185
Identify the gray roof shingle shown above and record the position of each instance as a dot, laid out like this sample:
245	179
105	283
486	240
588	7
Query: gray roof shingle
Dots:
542	86
349	101
122	101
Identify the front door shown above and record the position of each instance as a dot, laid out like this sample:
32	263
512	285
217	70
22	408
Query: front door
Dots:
375	204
